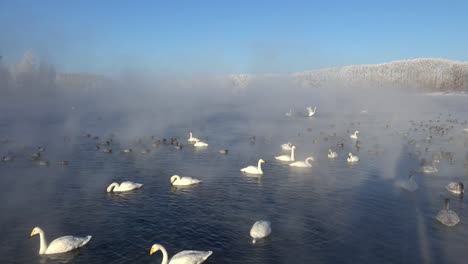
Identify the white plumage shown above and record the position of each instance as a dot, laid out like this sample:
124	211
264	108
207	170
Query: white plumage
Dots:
176	180
59	245
260	229
123	187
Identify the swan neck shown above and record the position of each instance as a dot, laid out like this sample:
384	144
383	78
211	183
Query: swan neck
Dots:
292	154
259	167
165	256
114	186
43	242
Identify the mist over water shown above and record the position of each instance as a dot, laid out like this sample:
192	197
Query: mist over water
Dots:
333	212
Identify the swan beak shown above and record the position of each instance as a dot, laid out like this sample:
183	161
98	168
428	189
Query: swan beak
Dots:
152	251
32	234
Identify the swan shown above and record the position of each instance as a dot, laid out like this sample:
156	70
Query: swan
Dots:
355	135
127	150
192	139
200	144
260	229
253	169
183	181
303	164
447	216
352	158
183	257
332	154
289	113
311	111
59	245
286	157
123	187
430	169
409	185
455	188
286	146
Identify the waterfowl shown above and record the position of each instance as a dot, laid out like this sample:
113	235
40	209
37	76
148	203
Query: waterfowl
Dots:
183	257
254	170
332	154
176	180
311	112
303	164
430	169
286	146
355	135
352	158
259	230
59	245
287	157
223	151
123	187
455	188
200	144
447	216
192	139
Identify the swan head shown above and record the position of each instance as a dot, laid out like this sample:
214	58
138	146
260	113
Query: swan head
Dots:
155	248
261	161
174	178
356	132
293	147
35	231
350	154
112	186
329	151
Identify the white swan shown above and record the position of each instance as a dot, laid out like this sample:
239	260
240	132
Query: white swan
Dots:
332	154
176	180
200	144
430	169
260	229
289	113
351	158
287	157
123	187
286	146
355	135
59	245
183	257
409	185
253	169
303	164
311	111
455	188
447	216
192	139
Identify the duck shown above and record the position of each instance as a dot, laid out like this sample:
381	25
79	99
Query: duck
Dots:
332	154
59	245
455	188
183	257
223	151
311	112
303	164
259	230
176	180
352	158
123	187
200	144
355	135
447	216
287	157
7	158
192	139
43	163
254	170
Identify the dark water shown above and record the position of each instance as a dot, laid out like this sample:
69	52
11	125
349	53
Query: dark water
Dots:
331	213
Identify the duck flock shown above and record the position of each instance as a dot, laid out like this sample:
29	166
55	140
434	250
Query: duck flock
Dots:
419	138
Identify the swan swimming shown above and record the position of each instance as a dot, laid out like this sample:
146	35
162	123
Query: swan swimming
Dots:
200	144
311	112
260	229
254	170
332	154
430	169
303	164
352	158
192	139
289	113
447	216
287	157
183	257
286	146
355	135
176	180
59	245
123	187
455	188
409	185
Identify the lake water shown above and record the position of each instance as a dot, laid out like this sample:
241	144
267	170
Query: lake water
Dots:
331	213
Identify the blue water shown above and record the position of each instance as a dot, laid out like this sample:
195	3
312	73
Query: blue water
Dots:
331	213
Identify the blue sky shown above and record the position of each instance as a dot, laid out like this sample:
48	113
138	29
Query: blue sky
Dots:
230	36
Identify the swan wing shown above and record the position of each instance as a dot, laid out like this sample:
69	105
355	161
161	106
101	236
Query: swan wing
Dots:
298	164
448	218
128	186
186	181
190	257
67	243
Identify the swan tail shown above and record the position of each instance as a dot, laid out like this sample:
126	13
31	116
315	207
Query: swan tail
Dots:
138	185
86	240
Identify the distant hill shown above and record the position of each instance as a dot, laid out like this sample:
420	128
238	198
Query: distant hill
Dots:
425	75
